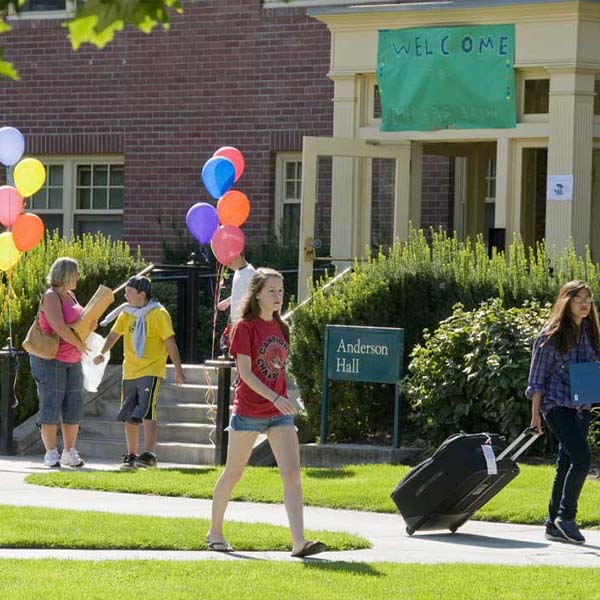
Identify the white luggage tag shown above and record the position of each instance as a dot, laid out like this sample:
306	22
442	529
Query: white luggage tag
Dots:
490	459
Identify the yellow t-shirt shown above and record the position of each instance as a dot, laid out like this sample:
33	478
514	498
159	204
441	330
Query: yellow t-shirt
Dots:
158	329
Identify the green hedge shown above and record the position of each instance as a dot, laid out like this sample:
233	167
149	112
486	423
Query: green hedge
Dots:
101	260
415	286
470	374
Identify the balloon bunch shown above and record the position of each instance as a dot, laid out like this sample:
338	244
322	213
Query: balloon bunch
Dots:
219	173
24	230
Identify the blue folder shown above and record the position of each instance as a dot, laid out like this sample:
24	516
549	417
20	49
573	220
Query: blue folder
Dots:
585	383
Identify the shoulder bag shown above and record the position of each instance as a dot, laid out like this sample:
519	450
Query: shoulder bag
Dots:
38	343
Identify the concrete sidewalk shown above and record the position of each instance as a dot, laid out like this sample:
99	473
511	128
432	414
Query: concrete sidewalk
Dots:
476	542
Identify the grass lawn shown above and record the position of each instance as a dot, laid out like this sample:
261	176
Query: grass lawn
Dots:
360	487
264	580
29	527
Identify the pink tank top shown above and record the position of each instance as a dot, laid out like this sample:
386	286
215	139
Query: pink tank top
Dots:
71	313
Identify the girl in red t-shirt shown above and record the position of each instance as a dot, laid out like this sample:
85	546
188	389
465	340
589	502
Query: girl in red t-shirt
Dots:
260	346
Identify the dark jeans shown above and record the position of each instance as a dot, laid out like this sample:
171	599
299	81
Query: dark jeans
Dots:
573	463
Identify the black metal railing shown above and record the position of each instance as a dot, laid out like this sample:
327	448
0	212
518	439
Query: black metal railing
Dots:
191	306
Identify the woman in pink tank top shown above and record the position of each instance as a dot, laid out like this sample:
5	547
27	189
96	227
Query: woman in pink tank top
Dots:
59	381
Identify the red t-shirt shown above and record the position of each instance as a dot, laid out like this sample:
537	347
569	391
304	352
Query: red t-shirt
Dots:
265	344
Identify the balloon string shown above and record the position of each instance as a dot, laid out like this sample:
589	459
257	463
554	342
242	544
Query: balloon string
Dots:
216	294
9	306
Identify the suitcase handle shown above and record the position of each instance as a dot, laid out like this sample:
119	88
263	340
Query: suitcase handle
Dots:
514	447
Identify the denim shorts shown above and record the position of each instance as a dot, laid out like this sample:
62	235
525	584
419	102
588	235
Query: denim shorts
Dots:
60	390
259	424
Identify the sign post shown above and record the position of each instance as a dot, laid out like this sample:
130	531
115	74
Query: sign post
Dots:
371	354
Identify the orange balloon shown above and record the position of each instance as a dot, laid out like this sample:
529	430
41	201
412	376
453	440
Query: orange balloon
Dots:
233	208
27	231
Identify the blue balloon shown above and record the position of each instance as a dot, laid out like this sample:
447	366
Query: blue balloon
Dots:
202	221
218	175
12	146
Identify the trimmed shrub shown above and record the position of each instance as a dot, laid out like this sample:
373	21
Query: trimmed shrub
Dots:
101	261
471	373
415	286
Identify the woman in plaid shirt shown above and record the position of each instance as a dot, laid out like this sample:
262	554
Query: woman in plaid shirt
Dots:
571	335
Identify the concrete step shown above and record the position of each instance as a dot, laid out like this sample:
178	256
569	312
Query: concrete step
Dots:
195	433
178	412
188	392
112	449
198	374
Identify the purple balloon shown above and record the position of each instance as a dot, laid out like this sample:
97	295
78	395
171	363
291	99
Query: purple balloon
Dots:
202	221
218	175
12	146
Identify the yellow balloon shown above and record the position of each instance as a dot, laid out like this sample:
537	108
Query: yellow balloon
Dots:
9	255
29	176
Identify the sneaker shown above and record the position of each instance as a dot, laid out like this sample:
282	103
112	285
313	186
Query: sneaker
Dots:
146	459
128	462
570	530
51	458
71	458
554	534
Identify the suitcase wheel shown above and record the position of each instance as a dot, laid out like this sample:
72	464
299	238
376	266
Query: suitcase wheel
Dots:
409	530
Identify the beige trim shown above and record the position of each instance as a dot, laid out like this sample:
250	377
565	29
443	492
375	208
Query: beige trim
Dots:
347	150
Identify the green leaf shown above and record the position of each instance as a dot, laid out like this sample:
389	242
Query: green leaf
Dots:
96	21
8	70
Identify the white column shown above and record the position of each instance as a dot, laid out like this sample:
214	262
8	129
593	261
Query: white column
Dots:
570	153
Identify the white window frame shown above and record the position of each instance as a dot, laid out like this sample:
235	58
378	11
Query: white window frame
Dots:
69	210
71	7
282	159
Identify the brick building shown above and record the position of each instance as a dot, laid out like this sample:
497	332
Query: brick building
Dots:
125	131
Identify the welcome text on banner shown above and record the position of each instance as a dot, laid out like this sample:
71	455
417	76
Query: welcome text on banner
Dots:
447	78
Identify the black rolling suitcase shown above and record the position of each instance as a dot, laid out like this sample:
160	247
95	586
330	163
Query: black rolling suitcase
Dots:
464	473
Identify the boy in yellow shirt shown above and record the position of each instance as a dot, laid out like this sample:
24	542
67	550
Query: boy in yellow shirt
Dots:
148	339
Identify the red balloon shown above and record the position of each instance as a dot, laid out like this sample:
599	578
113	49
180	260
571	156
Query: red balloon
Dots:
233	208
227	243
235	156
27	231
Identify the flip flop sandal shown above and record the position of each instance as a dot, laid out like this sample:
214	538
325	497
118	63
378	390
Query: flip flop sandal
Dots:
309	549
219	546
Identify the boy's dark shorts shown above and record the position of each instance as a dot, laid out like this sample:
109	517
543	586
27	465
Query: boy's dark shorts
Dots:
138	399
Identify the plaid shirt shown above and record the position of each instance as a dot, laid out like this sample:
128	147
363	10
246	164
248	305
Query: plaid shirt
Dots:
549	371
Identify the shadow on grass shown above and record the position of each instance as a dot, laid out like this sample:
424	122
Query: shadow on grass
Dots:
329	473
190	471
347	567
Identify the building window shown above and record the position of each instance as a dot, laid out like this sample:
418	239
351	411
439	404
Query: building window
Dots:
537	97
376	103
45	9
490	197
597	97
288	196
83	195
48	202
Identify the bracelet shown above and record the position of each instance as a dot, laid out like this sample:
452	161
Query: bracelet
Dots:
277	398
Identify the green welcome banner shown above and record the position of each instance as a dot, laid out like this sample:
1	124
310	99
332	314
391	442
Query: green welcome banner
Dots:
447	78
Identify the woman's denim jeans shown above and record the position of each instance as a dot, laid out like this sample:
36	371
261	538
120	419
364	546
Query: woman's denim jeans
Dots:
570	428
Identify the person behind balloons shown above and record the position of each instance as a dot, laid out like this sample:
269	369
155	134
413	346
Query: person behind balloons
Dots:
242	275
261	405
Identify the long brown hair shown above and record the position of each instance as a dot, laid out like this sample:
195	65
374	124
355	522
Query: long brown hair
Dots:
250	306
561	329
